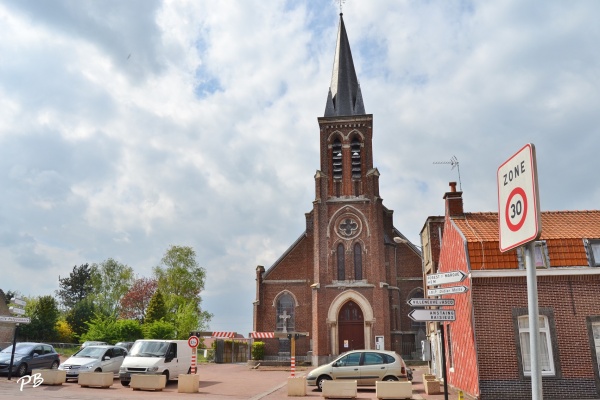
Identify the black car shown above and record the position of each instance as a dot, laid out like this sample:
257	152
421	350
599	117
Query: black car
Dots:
29	356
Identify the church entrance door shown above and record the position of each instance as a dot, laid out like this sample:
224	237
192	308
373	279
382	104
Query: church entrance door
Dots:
351	328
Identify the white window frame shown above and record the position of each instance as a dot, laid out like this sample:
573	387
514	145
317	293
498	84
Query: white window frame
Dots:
545	342
596	338
592	250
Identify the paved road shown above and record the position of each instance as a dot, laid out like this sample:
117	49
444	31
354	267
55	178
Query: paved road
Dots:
217	381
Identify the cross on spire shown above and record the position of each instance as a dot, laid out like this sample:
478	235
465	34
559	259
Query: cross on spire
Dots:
341	3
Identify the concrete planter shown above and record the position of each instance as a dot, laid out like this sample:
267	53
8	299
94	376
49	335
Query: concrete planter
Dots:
51	376
339	389
432	387
297	386
393	390
97	379
188	383
429	377
148	382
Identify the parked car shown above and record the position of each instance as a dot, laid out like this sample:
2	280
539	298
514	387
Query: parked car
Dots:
29	356
125	345
102	358
93	343
364	366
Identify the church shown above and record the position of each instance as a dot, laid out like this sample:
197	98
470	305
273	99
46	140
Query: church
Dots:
345	282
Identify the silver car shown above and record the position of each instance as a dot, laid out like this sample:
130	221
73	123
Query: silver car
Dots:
94	359
364	366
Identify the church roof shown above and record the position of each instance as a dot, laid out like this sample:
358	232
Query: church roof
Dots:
344	97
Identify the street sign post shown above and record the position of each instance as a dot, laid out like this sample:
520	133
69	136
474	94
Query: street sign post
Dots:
193	342
518	205
432	315
446	277
447	290
520	223
418	302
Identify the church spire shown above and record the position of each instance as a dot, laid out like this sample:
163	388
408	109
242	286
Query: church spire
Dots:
344	97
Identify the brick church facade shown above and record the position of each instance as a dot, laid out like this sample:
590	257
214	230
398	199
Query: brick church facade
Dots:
346	279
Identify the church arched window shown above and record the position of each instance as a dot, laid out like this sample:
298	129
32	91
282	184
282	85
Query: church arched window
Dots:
337	159
285	316
357	262
356	161
341	266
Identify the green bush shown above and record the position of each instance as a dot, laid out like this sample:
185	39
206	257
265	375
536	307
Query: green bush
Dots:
258	350
159	330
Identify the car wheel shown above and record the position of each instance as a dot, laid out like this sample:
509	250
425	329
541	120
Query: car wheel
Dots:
166	373
22	370
390	379
189	370
125	383
54	365
98	370
320	381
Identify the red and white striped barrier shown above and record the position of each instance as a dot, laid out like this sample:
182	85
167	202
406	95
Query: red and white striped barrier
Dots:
262	335
293	367
223	334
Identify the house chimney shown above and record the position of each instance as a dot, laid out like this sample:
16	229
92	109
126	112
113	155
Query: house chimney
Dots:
454	202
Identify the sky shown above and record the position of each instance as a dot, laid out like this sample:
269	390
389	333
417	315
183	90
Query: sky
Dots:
130	126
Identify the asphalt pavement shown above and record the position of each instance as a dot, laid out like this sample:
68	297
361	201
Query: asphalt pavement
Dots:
217	381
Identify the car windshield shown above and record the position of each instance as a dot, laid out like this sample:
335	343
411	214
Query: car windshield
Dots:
21	348
149	349
90	352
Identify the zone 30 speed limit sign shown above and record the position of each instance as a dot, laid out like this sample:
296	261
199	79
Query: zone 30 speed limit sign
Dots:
518	200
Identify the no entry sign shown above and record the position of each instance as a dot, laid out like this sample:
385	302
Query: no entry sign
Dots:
519	218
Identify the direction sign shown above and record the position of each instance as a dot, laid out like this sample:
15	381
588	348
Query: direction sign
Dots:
446	277
432	315
20	320
519	220
430	302
19	302
447	290
16	310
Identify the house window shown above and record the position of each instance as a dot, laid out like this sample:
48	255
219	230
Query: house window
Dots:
545	343
341	267
357	262
285	316
593	325
540	255
596	334
592	250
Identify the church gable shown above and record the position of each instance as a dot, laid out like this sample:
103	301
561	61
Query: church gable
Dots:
295	264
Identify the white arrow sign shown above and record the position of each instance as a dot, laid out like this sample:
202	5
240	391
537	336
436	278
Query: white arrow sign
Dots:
446	277
19	302
447	290
16	310
20	320
432	315
430	302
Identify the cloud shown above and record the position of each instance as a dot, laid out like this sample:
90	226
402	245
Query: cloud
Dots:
126	127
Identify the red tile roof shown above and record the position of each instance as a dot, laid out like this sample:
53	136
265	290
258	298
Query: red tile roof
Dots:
563	232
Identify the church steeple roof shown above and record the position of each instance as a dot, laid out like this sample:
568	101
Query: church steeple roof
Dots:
345	97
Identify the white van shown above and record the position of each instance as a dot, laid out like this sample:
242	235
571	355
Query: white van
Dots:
148	356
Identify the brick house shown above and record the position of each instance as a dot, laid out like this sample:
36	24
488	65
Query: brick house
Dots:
487	346
345	280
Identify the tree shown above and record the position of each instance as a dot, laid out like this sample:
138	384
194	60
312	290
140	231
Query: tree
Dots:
79	316
180	278
159	330
128	330
188	319
135	302
110	281
76	287
43	312
156	309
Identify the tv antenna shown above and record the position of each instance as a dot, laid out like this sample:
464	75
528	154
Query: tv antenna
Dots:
454	162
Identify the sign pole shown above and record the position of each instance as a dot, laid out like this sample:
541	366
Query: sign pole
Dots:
534	328
444	376
12	353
